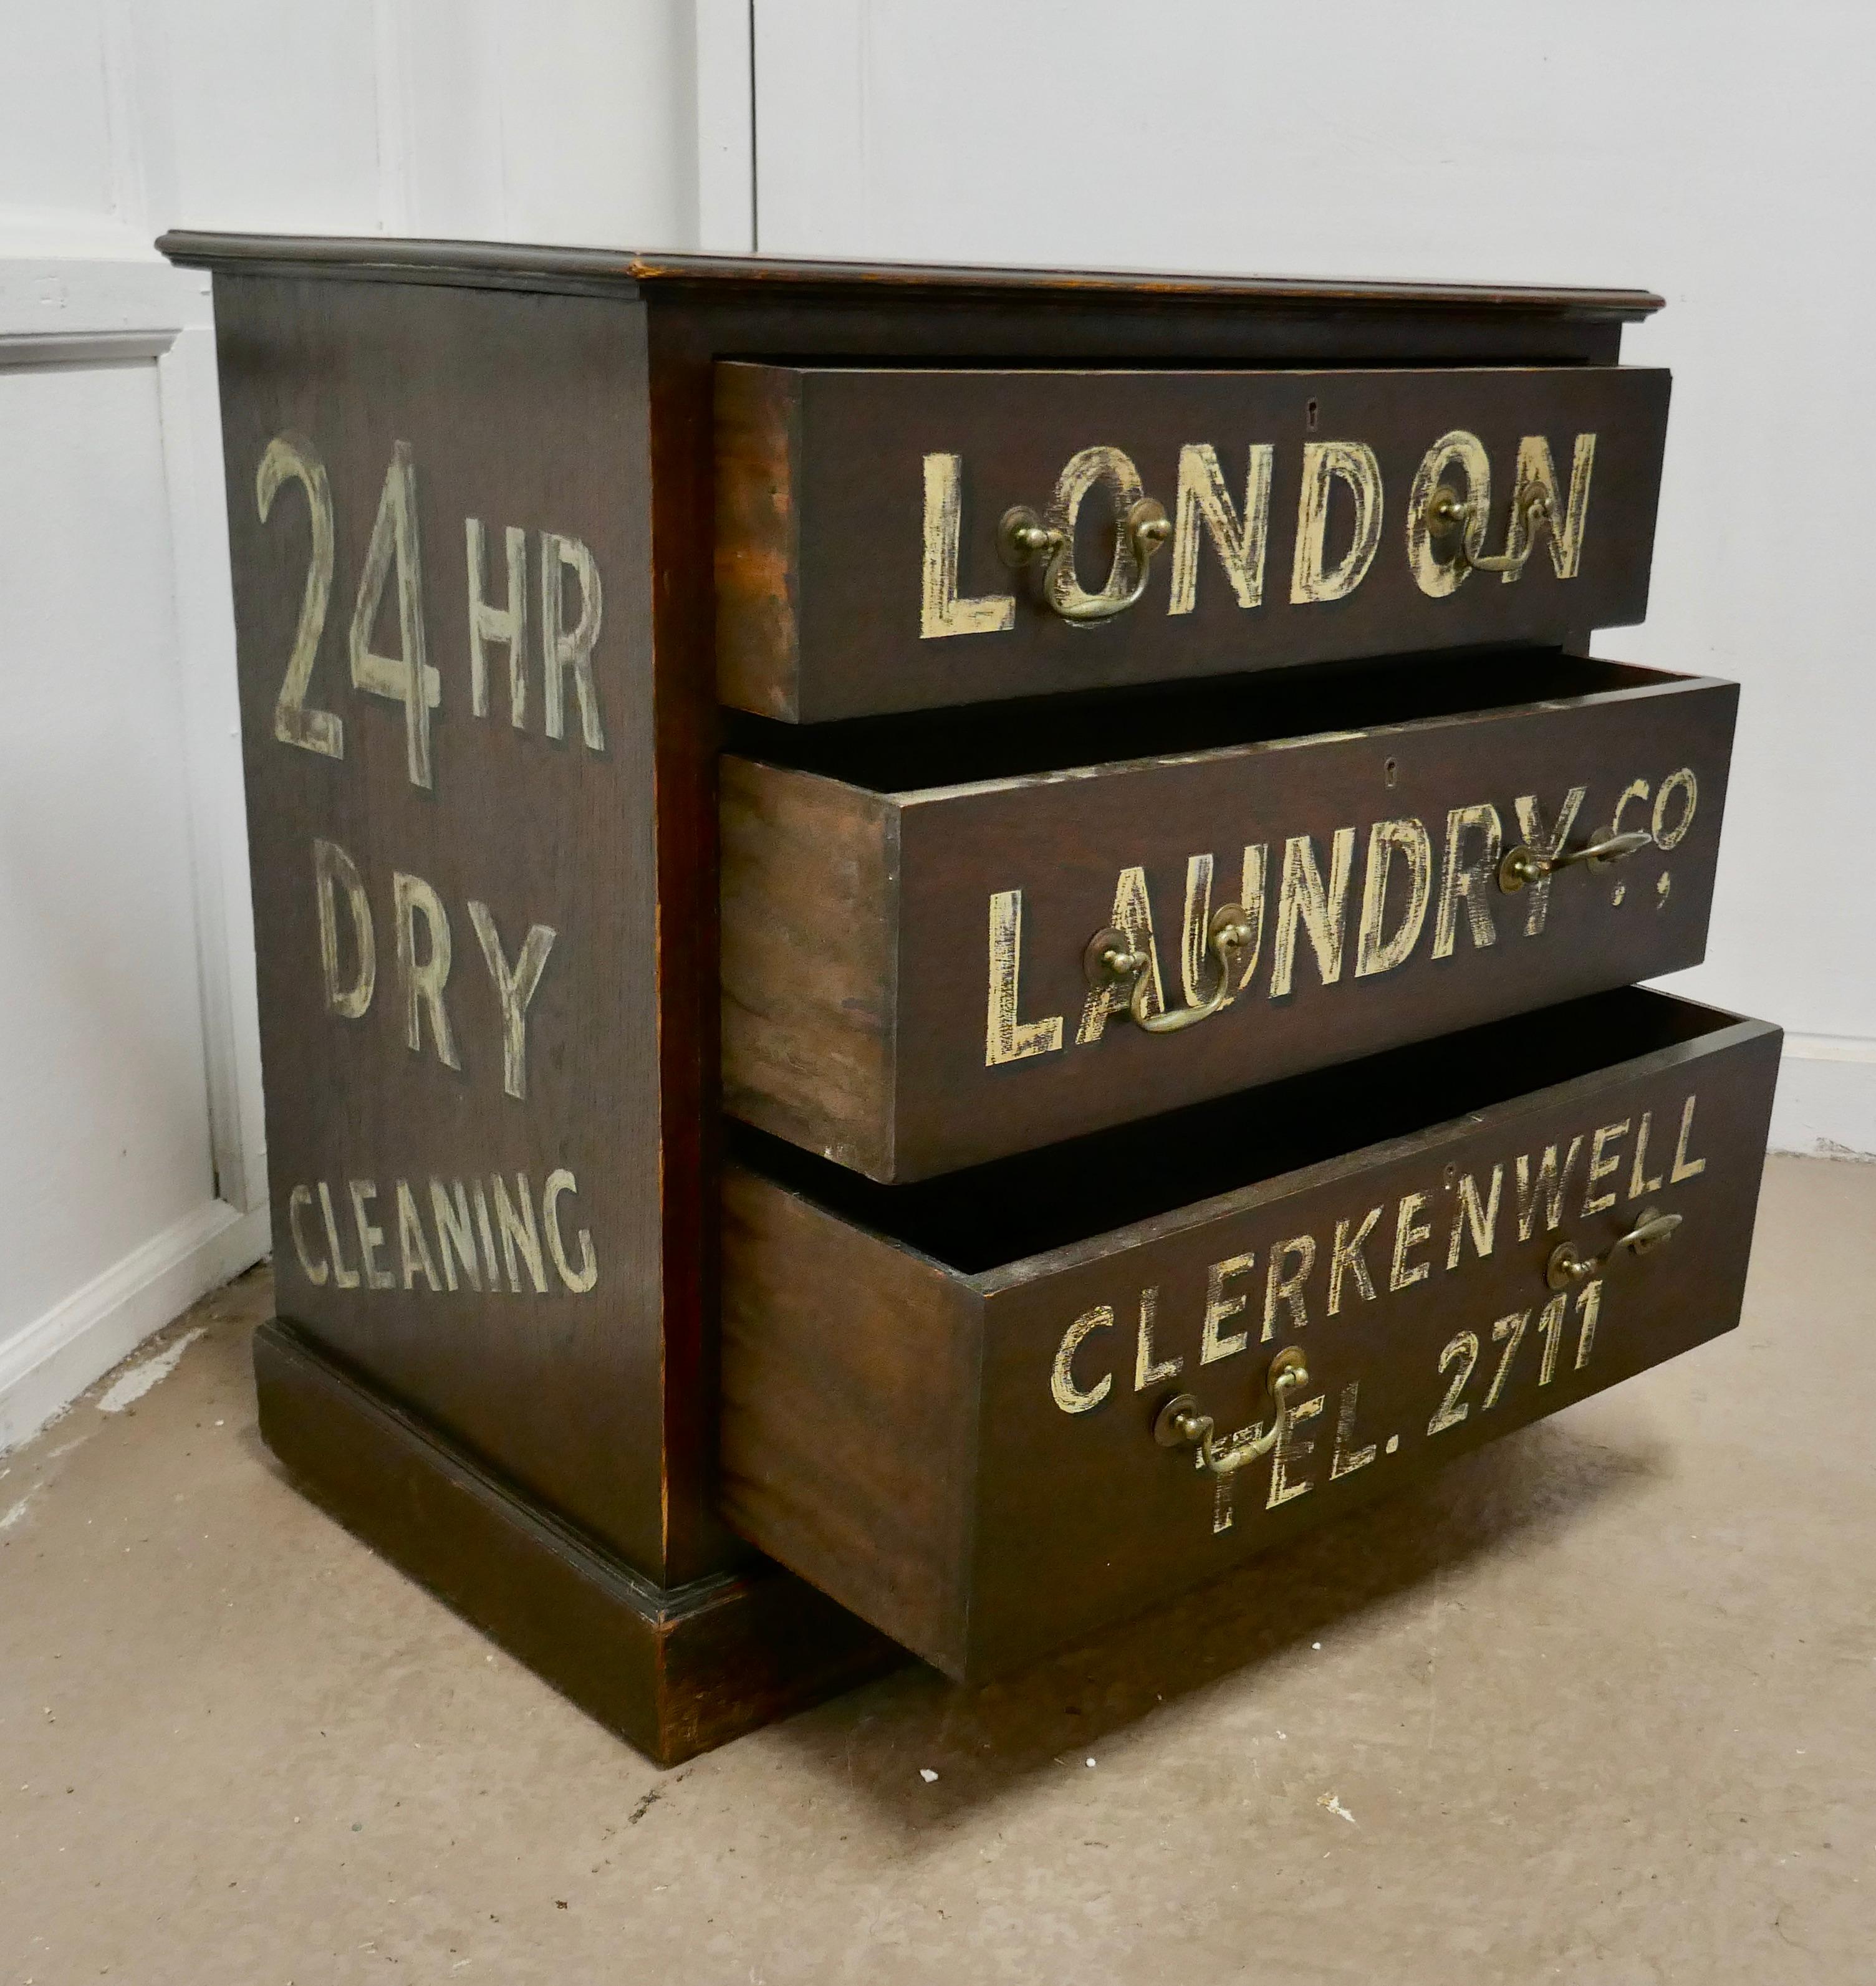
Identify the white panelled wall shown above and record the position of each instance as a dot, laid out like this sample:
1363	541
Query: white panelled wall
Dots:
1720	154
132	1170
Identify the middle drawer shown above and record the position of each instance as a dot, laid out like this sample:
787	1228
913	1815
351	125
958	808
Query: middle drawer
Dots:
951	938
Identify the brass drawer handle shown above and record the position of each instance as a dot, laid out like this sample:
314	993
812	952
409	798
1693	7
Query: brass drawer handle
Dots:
1569	1266
1111	960
1522	864
1180	1423
1449	515
1025	539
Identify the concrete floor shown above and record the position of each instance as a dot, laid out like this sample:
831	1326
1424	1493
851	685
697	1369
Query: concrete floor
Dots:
1595	1706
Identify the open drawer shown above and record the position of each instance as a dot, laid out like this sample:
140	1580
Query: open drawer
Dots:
957	1407
924	920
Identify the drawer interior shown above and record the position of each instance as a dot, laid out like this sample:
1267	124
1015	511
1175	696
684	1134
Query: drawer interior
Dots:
1040	735
982	1218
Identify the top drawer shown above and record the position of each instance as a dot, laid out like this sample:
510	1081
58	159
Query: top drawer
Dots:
1180	524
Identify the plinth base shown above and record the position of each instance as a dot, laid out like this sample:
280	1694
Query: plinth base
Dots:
675	1671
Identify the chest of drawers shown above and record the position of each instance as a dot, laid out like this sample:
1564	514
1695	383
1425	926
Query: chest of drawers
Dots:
940	949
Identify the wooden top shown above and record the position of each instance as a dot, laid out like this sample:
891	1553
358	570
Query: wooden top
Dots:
508	265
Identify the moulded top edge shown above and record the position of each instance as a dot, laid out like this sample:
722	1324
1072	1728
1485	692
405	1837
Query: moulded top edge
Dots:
509	264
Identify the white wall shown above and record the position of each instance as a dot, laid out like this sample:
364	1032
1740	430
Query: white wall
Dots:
1721	153
132	1166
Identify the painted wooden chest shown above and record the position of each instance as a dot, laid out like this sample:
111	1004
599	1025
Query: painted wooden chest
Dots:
941	949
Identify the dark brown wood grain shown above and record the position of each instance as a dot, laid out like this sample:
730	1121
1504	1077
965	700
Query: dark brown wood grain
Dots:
876	1054
821	509
1078	1518
804	1360
810	919
757	533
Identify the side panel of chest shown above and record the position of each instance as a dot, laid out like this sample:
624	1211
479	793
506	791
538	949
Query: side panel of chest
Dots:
438	501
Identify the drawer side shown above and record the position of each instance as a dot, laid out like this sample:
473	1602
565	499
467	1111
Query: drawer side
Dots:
809	991
849	1409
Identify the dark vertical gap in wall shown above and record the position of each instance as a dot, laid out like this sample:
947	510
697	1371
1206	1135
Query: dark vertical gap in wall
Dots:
755	204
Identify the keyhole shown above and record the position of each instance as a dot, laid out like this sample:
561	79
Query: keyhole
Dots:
1310	416
1392	771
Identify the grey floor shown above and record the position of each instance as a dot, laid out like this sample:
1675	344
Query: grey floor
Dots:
1596	1705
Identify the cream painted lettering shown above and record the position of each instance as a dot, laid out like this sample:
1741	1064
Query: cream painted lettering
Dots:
436	1245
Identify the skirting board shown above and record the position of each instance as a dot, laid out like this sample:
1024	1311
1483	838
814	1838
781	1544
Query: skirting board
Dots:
675	1671
48	1365
1826	1106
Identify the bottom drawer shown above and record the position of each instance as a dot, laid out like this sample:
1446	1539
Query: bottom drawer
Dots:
953	1406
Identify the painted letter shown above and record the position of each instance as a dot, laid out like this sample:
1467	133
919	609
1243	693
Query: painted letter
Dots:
514	989
1250	901
1541	841
346	1279
1219	1309
487	1234
1132	914
1550	1182
414	1247
1240	545
507	625
1437	578
1348	1458
1536	470
582	1279
941	612
422	984
1323	911
407	678
1409	1232
371	1239
563	647
1147	1370
1083	471
1068	1396
1006	1038
1683	781
332	866
1482	1221
1324	463
1600	1168
456	1239
1373	953
1345	1253
514	1219
1639	1183
1636	790
1287	1289
301	1197
1682	1168
1473	880
321	731
1282	1489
